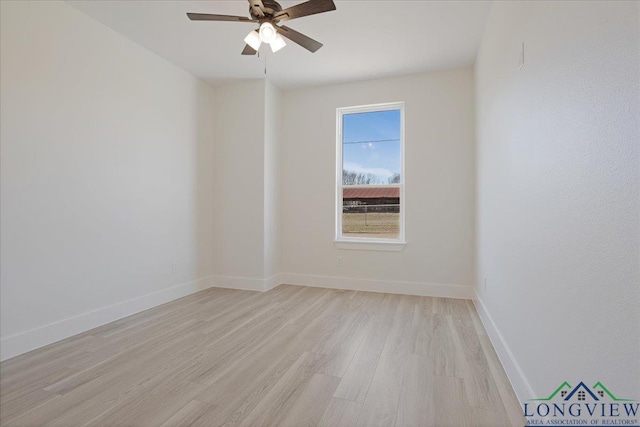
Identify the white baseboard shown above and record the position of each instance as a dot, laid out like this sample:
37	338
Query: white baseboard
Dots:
516	376
272	282
23	342
246	283
385	286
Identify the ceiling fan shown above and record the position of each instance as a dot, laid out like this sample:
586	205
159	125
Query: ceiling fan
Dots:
268	13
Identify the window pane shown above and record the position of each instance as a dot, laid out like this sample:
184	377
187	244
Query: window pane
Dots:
371	148
371	212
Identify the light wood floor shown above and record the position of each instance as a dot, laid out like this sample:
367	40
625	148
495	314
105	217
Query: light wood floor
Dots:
293	356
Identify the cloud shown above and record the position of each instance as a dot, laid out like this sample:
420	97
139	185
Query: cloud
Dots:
358	168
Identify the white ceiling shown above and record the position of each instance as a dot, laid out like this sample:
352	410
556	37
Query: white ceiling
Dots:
362	39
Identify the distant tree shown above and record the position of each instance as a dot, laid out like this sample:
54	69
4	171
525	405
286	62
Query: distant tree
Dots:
394	179
355	178
348	177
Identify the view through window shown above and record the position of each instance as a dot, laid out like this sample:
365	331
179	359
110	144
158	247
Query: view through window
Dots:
370	155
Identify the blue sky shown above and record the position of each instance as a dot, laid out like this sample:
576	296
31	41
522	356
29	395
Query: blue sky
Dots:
371	143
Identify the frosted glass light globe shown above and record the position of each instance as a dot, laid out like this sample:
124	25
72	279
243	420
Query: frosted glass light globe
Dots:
267	32
277	44
253	40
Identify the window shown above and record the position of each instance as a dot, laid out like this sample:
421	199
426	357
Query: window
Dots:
370	174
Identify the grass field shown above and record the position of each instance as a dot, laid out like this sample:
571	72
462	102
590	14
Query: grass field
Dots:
381	225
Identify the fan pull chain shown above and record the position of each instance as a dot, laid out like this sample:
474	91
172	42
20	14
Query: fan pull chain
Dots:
265	62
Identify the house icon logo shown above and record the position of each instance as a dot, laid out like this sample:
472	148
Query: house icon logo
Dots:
582	392
595	405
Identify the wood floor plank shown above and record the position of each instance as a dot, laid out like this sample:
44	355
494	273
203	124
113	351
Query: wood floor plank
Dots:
311	403
381	403
227	354
187	415
92	398
417	402
291	356
275	405
345	344
340	413
480	388
489	418
160	343
445	349
508	396
450	403
31	399
151	408
237	393
357	378
52	356
423	318
475	318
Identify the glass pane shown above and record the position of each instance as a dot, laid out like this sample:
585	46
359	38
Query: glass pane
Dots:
371	148
371	212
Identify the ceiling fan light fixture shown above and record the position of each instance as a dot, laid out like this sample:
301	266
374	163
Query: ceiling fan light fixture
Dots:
267	32
267	14
253	40
277	44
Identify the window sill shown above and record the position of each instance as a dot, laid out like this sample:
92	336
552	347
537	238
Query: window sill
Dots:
370	245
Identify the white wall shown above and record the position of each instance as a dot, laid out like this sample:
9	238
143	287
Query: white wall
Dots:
558	192
238	180
106	178
272	153
439	174
246	185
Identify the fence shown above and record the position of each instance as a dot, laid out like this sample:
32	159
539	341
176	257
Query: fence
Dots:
364	209
377	219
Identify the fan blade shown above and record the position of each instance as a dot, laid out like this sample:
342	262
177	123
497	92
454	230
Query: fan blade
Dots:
248	50
210	17
296	37
310	7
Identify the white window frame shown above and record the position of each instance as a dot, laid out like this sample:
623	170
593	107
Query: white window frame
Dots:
368	243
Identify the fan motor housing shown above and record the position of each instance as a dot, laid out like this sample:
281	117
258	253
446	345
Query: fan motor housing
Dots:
271	7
